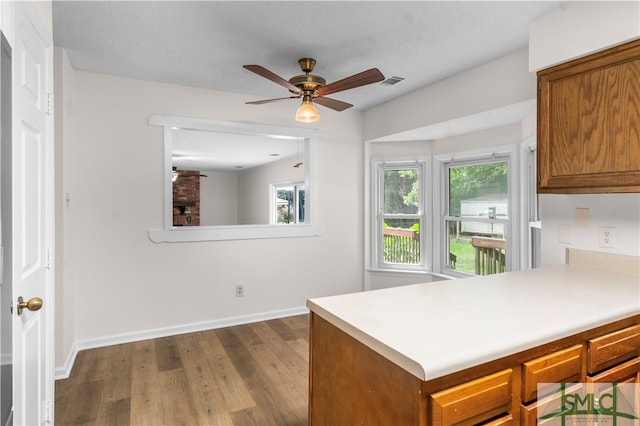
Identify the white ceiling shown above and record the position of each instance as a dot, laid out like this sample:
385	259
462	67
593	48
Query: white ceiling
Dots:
205	44
204	150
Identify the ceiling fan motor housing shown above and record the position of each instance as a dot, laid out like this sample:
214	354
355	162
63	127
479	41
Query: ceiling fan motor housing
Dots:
307	82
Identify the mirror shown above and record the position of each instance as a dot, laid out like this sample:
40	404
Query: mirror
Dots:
232	180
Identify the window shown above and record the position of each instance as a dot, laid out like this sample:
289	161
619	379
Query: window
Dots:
399	221
477	217
288	203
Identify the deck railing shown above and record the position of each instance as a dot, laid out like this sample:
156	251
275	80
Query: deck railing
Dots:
490	255
401	245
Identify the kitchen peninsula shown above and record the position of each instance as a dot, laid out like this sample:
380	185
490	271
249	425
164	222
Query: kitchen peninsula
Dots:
470	351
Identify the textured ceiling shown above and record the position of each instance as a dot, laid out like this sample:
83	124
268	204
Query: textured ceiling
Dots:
205	44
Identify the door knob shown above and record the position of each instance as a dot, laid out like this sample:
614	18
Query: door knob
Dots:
32	304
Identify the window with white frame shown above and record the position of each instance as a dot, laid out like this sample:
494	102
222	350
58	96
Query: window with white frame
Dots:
288	203
398	221
477	217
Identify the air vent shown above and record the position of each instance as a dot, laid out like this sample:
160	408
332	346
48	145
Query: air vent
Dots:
392	80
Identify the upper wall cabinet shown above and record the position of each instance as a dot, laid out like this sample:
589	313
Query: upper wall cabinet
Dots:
589	123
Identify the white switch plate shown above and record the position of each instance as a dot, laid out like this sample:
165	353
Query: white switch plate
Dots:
607	236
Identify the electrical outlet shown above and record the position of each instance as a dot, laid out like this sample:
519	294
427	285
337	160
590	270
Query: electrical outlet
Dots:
239	291
607	235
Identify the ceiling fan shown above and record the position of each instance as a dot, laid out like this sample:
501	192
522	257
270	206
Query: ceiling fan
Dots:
313	88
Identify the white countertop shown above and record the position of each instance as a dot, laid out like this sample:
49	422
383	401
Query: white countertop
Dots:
434	329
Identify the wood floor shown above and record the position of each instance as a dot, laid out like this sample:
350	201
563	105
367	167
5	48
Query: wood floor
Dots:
254	374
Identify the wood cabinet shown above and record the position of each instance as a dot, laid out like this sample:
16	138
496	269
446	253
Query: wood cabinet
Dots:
610	358
589	123
558	367
610	349
352	384
473	402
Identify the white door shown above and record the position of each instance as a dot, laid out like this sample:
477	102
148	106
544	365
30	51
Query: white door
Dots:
32	220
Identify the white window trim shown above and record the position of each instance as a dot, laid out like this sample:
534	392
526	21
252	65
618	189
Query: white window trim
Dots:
272	199
528	202
440	203
378	164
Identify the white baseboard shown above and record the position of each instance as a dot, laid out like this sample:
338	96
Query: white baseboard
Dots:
64	371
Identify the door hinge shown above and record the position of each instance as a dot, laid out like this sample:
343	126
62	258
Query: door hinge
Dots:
48	261
49	103
48	412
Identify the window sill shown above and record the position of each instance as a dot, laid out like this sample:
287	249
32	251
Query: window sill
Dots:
409	272
245	232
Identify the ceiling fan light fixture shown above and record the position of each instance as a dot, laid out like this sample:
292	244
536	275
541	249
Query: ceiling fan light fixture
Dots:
307	113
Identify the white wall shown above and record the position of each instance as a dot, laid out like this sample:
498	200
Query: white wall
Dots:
218	198
65	215
117	282
622	211
580	28
576	30
496	84
254	205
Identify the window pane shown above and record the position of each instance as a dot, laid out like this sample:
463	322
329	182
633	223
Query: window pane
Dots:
286	212
301	201
401	191
479	190
401	241
476	247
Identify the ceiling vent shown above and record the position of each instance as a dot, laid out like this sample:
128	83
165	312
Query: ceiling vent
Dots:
392	80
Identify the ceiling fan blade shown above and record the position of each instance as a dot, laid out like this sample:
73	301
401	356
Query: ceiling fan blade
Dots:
263	72
332	103
266	101
361	79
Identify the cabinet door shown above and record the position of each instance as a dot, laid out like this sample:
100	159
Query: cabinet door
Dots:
589	123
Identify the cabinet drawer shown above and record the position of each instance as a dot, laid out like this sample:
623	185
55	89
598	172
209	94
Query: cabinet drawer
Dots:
502	421
473	402
559	367
613	348
627	372
529	412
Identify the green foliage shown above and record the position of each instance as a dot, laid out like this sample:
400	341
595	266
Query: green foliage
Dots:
467	182
402	196
401	191
465	255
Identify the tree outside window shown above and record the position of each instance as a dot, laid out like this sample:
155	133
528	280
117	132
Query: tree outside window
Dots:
478	217
289	203
400	218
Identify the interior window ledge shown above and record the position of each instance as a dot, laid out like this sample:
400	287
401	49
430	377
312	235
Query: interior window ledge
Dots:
409	272
245	232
